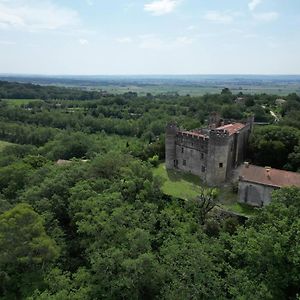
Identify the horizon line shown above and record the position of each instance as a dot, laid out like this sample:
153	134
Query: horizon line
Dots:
149	74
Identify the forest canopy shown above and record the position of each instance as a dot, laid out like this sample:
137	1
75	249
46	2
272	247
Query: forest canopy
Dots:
83	217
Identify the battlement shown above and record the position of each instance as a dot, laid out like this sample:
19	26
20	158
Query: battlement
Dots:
219	133
210	153
192	135
171	128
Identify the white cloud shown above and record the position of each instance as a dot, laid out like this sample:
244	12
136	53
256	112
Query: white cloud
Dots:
161	7
124	40
219	17
83	42
253	4
35	15
267	16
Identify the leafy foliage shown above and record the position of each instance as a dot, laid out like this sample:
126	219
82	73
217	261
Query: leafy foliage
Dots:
98	225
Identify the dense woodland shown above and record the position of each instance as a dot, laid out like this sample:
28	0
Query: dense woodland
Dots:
99	226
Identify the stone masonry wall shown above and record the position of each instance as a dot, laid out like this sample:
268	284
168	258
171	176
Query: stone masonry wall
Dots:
254	194
191	154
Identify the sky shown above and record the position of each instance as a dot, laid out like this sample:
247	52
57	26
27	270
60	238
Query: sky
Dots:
132	37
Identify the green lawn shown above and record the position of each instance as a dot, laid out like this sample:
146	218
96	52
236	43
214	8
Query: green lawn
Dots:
187	186
178	184
3	144
19	102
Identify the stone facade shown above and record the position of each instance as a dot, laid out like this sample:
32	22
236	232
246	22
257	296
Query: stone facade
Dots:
211	153
256	184
255	194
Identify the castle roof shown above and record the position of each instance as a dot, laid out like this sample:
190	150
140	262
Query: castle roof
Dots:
194	133
269	176
232	128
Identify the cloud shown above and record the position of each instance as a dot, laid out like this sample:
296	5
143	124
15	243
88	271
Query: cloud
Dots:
83	42
219	17
35	15
267	16
124	40
253	4
161	7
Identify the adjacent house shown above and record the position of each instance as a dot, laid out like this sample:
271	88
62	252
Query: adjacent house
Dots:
257	183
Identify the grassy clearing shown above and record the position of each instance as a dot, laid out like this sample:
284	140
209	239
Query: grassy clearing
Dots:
187	186
241	208
177	184
20	102
3	144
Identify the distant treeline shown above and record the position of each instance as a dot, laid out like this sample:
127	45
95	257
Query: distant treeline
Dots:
14	90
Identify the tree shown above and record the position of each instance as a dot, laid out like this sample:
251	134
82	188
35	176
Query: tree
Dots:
204	203
264	256
25	249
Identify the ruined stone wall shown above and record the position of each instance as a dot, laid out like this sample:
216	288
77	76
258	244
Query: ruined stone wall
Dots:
254	194
191	154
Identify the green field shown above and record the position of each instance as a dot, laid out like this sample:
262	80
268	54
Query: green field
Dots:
3	144
20	102
200	90
187	186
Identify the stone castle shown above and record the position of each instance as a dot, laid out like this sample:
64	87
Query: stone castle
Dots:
211	153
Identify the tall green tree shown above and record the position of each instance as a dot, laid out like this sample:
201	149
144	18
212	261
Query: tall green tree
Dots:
25	251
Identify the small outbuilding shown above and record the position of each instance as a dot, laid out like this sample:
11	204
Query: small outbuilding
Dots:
257	183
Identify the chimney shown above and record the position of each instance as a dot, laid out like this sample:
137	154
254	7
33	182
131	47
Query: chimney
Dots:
268	171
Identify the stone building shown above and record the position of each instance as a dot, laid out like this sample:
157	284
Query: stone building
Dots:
211	153
256	184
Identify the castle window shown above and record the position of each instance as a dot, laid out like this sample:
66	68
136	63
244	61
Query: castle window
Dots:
184	162
220	165
202	155
203	169
182	150
175	163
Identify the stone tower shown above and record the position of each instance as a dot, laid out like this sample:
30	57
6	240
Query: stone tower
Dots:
171	131
218	162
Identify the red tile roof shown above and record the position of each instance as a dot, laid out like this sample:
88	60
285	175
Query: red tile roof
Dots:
232	128
269	176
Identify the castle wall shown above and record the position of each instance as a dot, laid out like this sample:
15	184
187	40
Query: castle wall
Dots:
242	144
170	145
191	154
218	157
211	154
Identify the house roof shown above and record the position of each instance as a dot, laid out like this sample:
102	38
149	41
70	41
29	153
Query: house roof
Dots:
232	128
269	176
